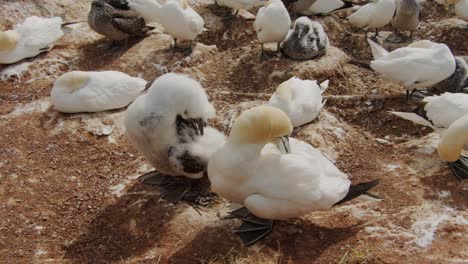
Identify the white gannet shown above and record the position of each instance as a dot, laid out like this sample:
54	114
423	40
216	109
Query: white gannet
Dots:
374	15
440	113
238	5
272	24
180	21
30	38
80	91
458	81
148	9
167	126
274	182
461	9
300	99
407	16
419	65
323	7
454	140
307	40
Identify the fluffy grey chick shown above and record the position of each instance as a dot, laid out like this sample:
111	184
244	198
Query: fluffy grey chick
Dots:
407	15
458	81
306	40
116	24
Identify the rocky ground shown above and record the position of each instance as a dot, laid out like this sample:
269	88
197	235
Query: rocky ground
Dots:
68	188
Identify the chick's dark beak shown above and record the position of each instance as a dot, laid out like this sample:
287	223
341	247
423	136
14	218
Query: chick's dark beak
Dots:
201	125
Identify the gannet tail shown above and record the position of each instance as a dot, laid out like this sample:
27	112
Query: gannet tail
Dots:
377	50
357	190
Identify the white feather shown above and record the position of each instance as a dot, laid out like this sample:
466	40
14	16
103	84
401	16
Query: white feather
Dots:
150	123
272	22
421	64
240	4
148	9
323	7
373	15
461	9
306	102
443	110
276	186
180	23
100	91
35	35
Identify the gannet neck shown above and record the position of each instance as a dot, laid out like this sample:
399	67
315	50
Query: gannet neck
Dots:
8	40
73	81
454	140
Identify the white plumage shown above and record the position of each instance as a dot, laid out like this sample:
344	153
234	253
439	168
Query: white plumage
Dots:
323	7
419	65
443	110
373	15
461	9
148	9
240	4
440	110
272	22
160	125
300	99
250	170
34	36
180	20
79	91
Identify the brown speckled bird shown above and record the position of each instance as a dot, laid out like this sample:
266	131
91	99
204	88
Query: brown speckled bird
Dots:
116	24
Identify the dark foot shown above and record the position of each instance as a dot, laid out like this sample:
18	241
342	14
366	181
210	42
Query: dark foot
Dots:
267	55
460	168
172	188
220	10
184	51
253	228
228	18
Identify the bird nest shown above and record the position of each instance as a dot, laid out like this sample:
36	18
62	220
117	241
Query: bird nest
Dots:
330	64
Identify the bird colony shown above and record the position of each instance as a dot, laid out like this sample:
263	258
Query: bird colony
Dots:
199	131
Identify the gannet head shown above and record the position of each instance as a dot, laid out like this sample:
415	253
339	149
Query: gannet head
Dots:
454	140
8	40
73	81
179	96
262	125
302	26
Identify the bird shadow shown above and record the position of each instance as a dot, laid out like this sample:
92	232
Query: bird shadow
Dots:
303	242
102	53
300	247
126	228
209	243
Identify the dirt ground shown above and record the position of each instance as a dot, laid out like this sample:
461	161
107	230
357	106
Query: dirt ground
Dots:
68	188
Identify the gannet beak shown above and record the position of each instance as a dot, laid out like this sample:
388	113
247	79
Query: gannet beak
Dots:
283	145
201	125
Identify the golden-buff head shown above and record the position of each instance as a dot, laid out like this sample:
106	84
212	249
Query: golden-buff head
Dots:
8	40
73	80
284	90
261	125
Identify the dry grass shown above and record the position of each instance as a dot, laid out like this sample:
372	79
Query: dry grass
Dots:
248	257
362	253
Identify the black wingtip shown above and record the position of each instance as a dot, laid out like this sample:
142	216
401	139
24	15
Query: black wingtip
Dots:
358	189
